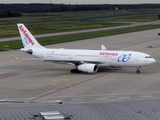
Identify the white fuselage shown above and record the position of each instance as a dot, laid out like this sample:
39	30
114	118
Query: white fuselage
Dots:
99	57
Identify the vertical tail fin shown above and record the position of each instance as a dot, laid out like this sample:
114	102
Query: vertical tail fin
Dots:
28	39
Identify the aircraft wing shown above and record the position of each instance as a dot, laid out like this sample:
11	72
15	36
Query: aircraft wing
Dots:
78	62
64	62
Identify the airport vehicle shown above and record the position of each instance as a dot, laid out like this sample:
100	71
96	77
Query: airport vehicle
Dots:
88	61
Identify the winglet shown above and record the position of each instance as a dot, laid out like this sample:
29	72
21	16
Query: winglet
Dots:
103	47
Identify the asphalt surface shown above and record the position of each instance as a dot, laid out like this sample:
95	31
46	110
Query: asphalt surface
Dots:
45	82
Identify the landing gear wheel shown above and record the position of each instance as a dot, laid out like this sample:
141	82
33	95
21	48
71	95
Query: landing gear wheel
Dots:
138	71
75	71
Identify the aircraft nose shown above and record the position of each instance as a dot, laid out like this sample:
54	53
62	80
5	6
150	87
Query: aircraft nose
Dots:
153	60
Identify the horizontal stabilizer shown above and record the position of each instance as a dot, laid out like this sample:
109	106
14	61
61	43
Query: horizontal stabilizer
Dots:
25	58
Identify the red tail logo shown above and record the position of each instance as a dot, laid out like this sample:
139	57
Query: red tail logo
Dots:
26	34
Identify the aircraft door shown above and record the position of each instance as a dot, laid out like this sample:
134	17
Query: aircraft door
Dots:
71	55
113	60
103	58
137	57
42	53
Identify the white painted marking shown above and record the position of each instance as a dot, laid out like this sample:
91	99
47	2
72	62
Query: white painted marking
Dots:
81	97
110	96
51	101
77	99
107	95
100	98
22	98
124	97
146	96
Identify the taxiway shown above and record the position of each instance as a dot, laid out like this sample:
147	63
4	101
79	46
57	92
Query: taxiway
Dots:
43	81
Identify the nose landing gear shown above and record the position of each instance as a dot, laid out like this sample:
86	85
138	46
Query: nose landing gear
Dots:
138	70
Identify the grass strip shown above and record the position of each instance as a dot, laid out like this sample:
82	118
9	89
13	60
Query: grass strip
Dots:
130	18
66	38
53	27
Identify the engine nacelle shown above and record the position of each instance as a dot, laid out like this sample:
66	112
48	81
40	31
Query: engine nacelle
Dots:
89	68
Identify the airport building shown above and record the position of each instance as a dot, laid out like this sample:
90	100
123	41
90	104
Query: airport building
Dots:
120	110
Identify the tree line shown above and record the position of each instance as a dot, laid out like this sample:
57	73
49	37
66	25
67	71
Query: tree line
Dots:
35	8
7	13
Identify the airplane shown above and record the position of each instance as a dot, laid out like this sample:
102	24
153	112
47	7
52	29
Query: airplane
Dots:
88	61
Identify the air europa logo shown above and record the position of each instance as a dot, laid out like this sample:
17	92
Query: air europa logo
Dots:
108	54
124	57
26	35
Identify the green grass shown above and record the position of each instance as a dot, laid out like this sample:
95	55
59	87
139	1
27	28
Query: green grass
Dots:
7	30
130	18
67	26
53	27
37	27
67	38
32	17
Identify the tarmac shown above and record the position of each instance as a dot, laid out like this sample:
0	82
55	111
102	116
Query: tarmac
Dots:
37	81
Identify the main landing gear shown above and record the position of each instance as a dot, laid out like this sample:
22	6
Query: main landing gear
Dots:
75	71
138	70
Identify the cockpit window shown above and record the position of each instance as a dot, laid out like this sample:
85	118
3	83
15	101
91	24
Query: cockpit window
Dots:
148	57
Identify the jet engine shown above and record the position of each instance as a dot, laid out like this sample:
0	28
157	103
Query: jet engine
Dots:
89	68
